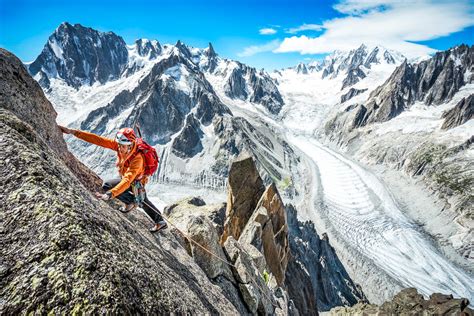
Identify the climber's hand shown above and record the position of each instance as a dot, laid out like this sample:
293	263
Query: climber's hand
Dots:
66	130
106	196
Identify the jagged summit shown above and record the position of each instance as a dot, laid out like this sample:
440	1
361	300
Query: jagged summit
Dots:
145	47
355	63
349	67
80	55
340	61
209	51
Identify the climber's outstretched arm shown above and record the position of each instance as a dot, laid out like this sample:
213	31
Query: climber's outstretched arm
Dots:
91	138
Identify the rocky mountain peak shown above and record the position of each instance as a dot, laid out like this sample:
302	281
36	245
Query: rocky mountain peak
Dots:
244	82
147	48
432	82
209	51
356	63
301	69
211	60
80	55
183	49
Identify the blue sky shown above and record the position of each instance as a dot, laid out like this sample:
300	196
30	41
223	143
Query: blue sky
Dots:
268	34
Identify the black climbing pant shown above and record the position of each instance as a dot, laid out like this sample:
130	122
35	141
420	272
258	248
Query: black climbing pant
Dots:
127	197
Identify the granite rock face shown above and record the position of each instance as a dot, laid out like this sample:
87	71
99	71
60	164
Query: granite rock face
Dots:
315	276
244	191
267	230
460	114
188	143
22	96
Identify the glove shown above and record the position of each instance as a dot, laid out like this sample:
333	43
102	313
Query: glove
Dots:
105	197
66	130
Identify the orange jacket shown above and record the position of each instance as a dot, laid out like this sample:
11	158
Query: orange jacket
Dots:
130	166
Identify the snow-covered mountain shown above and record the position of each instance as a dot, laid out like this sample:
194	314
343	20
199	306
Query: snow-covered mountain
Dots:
312	91
353	65
80	55
201	110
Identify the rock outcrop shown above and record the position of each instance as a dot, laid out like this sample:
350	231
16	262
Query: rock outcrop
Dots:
194	218
244	191
267	230
315	276
351	93
353	76
253	266
460	114
409	302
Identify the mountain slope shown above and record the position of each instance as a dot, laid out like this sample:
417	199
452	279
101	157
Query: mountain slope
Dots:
214	118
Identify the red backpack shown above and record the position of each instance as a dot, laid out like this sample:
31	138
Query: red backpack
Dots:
149	155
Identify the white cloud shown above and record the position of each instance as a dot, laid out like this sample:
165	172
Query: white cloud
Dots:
391	23
357	7
252	50
267	31
305	27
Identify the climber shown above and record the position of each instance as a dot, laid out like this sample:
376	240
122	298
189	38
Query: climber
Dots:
131	167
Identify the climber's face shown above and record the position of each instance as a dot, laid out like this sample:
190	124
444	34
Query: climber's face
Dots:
124	149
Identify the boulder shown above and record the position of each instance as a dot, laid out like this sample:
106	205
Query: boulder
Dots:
191	216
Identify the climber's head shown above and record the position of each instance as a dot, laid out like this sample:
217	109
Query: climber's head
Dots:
125	138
